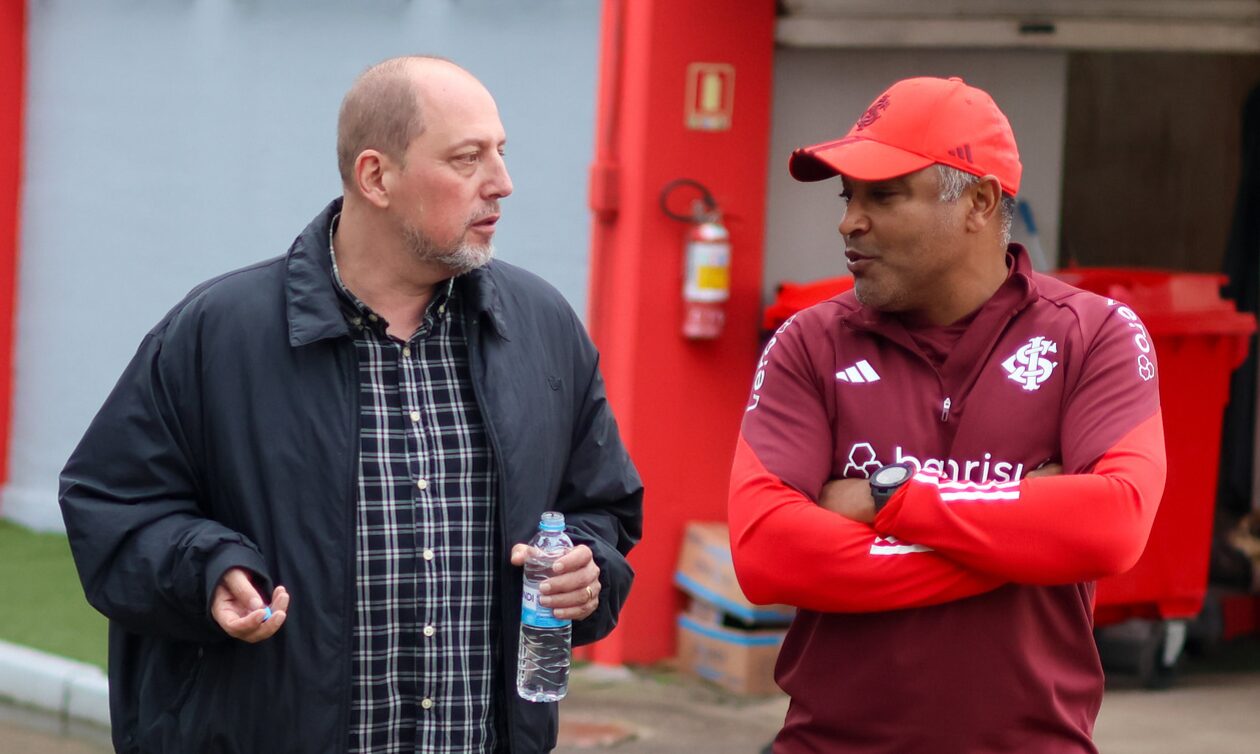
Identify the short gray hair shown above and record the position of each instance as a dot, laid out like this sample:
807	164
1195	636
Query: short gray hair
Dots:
955	181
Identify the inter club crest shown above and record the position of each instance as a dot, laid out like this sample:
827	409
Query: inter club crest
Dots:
873	112
1029	366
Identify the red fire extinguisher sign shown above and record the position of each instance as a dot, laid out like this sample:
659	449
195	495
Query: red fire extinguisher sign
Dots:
710	96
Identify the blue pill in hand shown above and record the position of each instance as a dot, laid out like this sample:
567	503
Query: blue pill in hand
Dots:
266	613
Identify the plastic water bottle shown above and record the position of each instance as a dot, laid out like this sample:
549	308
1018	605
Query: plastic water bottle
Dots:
542	670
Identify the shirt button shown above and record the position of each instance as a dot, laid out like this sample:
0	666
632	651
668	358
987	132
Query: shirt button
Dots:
423	484
356	321
373	317
429	630
427	703
406	352
427	554
415	416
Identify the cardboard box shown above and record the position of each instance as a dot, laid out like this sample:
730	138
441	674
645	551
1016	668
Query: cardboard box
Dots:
706	572
738	660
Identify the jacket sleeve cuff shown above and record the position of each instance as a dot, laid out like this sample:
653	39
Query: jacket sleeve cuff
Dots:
886	519
615	575
229	556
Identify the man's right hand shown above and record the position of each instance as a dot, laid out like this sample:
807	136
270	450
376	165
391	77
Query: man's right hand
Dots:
1046	469
238	608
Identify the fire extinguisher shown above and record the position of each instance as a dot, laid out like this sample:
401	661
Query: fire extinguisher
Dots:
706	264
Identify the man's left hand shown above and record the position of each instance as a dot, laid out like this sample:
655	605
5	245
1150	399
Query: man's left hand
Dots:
572	592
850	498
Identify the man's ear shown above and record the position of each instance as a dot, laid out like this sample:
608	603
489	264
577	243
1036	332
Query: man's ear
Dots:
986	197
372	177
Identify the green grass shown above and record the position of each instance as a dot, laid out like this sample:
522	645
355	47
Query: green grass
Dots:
43	602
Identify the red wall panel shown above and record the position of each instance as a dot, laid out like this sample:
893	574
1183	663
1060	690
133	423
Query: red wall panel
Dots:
679	402
12	100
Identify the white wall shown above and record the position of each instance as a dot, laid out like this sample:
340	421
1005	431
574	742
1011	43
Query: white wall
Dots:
818	94
170	140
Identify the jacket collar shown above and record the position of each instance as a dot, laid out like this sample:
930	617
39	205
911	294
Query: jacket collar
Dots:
311	303
481	288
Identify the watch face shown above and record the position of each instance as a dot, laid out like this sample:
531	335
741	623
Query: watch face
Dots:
889	476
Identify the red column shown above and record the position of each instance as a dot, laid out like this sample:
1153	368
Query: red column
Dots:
12	99
679	402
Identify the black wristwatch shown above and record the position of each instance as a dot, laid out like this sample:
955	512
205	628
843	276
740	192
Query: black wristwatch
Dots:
888	479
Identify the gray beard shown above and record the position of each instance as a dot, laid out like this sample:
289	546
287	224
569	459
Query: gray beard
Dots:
459	258
879	299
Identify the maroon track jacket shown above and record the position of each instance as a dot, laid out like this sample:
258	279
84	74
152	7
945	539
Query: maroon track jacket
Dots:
961	621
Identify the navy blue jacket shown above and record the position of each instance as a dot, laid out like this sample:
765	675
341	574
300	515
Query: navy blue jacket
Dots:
232	440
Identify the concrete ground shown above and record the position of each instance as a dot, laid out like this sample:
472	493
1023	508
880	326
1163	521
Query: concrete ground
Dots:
1210	710
27	731
1213	707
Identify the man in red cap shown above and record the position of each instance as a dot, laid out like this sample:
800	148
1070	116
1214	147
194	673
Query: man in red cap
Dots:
948	456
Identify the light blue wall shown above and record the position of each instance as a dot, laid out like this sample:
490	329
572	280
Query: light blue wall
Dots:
170	140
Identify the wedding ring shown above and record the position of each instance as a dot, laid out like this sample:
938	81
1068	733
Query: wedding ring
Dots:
589	594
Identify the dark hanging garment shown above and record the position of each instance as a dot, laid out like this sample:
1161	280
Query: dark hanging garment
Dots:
1242	266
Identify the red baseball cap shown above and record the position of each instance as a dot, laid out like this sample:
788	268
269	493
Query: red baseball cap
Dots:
914	124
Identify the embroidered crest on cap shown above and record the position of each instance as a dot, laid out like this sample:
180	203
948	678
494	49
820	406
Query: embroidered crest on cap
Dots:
1029	366
873	112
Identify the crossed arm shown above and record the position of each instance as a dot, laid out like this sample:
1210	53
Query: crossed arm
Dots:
937	540
1052	528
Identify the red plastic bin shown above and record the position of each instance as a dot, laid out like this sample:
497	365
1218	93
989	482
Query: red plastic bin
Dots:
1200	338
792	297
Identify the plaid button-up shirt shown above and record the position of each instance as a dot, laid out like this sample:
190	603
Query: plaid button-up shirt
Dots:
425	645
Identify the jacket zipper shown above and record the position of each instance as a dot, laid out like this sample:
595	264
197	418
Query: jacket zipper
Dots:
947	403
472	337
356	428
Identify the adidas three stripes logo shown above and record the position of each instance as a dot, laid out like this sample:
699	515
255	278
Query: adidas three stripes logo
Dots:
858	373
